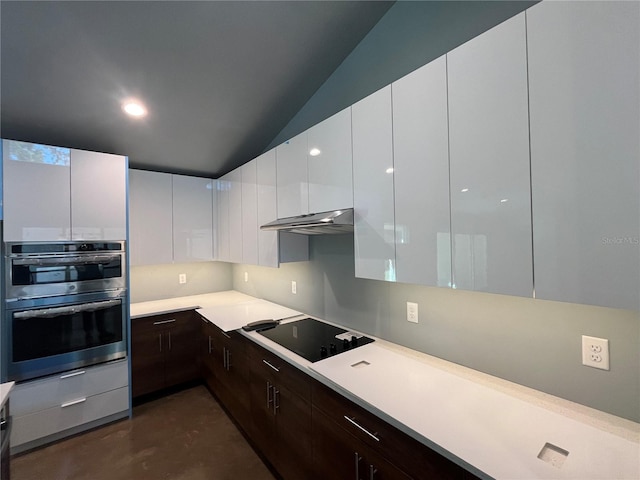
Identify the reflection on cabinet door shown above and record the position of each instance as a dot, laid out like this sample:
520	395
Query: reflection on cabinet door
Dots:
585	117
489	155
421	176
235	215
374	223
36	175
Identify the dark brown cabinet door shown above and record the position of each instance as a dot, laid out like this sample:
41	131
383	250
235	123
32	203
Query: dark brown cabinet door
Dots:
147	357
181	349
163	351
227	372
339	455
281	414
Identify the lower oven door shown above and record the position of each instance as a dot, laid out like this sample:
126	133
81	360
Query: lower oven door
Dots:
55	334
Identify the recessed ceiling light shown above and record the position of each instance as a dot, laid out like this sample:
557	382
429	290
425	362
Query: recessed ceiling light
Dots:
314	152
389	170
134	108
464	190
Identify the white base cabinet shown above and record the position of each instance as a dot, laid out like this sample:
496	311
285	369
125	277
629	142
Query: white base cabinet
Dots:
44	409
584	68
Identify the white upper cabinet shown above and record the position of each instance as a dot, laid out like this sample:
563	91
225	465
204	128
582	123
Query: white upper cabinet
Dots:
330	163
54	194
223	190
267	208
235	216
37	192
489	162
585	123
249	216
98	196
374	238
292	177
150	218
192	219
421	176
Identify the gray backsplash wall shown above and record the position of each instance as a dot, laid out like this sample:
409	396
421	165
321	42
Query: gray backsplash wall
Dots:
530	342
156	282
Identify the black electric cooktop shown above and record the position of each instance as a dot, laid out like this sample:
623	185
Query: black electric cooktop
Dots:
314	340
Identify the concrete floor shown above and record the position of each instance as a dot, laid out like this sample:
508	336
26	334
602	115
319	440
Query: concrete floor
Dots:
183	436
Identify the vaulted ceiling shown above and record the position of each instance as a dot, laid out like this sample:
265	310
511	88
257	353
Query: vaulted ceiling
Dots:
220	79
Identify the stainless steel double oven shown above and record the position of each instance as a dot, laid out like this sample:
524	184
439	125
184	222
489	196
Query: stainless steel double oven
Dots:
65	307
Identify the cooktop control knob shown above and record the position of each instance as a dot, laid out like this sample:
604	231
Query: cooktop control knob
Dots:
345	344
323	351
332	349
354	341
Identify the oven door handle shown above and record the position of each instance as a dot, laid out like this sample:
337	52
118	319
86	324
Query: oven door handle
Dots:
67	261
71	309
7	424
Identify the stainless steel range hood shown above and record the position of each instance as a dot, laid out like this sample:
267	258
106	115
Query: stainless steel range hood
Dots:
336	221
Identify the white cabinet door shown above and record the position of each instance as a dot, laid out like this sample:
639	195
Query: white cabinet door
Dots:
585	167
292	177
223	189
267	208
330	163
421	175
192	219
489	155
249	174
37	192
235	216
215	235
150	218
375	254
98	196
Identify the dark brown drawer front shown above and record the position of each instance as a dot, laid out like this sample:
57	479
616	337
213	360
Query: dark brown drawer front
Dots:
280	371
413	457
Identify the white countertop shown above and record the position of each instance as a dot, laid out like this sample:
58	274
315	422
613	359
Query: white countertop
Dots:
155	307
5	388
475	419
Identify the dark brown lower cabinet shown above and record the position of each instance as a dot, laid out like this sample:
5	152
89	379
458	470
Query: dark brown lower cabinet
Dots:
342	429
281	413
164	351
302	427
225	370
339	455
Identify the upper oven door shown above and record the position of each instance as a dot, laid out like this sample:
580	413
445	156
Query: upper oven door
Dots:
42	274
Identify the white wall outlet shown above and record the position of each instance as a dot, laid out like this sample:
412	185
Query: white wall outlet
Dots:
246	276
294	288
412	312
182	278
595	352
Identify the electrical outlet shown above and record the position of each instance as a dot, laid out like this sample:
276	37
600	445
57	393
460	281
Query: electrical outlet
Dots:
595	352
182	278
412	312
294	288
246	276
